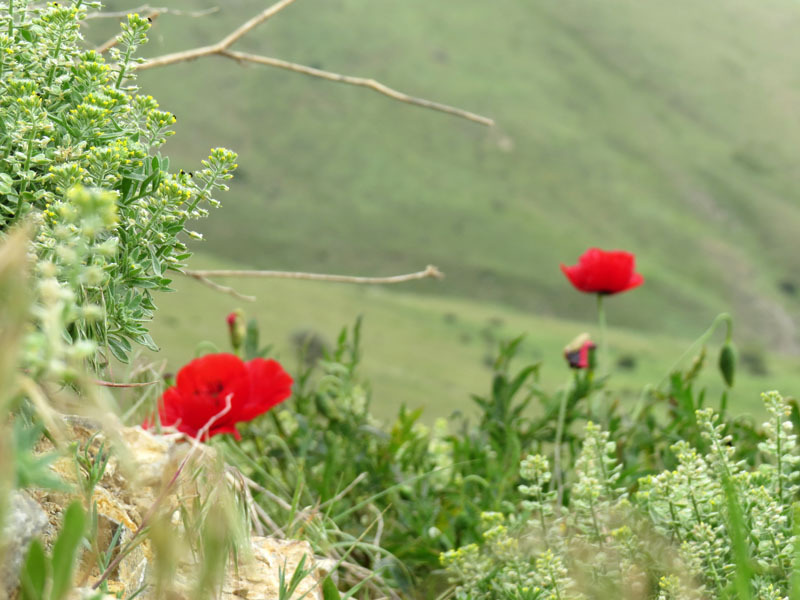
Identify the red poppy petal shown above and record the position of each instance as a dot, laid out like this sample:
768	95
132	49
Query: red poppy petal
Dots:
203	388
169	410
636	281
604	272
269	385
221	366
575	276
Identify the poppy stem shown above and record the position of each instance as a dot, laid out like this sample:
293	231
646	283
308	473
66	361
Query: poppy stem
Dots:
601	321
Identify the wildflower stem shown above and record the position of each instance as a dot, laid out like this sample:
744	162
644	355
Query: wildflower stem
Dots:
702	340
25	168
601	321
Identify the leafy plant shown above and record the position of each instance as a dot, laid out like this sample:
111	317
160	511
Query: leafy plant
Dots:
70	120
712	527
50	578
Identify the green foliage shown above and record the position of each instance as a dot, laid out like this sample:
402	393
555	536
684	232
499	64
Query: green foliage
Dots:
712	527
32	469
435	486
579	91
44	578
80	162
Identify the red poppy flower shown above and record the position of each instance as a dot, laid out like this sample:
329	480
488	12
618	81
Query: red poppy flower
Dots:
204	386
601	272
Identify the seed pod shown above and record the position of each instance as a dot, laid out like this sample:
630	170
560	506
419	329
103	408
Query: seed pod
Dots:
727	362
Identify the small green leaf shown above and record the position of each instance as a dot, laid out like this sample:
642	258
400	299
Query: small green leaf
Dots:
26	34
33	576
119	348
6	184
65	550
329	590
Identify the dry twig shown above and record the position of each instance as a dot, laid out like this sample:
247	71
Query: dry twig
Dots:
114	384
146	8
222	48
220	288
430	271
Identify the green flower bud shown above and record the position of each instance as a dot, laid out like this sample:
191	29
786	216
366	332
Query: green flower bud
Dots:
727	362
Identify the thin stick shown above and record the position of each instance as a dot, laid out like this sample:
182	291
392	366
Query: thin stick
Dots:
113	384
264	15
430	271
152	9
276	530
344	492
222	48
219	47
220	288
371	84
276	499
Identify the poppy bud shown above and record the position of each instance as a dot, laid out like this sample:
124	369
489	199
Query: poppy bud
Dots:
236	329
727	362
579	353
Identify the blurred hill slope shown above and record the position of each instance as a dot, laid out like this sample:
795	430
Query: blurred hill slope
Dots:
669	129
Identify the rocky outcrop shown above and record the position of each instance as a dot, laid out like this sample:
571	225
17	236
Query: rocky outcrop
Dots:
25	521
137	477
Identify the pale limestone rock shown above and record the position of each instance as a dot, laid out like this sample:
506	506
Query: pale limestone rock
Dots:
258	579
24	522
140	468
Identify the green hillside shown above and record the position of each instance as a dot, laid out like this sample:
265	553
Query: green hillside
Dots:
668	129
432	352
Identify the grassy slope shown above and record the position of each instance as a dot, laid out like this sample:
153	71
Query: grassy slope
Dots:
427	351
669	129
666	128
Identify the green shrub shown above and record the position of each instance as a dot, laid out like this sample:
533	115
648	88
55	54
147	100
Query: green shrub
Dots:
80	163
712	527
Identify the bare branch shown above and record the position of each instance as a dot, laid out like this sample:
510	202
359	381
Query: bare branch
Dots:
222	48
244	29
146	8
220	288
430	271
371	84
113	384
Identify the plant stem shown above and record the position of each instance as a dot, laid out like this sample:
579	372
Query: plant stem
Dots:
702	340
25	168
601	321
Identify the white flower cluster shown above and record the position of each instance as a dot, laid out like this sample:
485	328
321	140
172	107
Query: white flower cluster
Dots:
710	527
